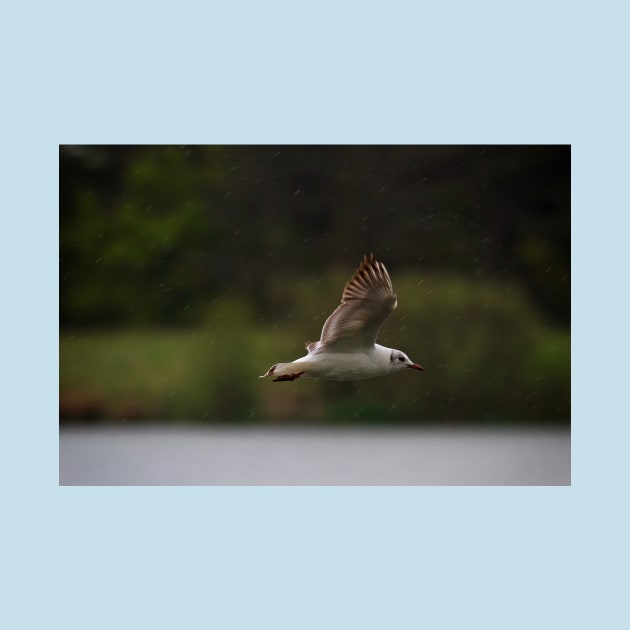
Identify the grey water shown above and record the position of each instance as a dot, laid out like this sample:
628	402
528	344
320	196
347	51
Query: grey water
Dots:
189	455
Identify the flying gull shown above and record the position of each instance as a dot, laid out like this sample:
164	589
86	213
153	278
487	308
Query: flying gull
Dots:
347	350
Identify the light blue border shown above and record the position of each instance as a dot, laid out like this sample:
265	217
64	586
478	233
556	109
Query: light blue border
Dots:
248	72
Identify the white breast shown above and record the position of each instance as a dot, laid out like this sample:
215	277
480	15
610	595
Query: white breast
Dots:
346	366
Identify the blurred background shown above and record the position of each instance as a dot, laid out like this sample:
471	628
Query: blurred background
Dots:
186	271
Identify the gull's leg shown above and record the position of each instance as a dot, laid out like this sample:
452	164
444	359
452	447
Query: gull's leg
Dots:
288	377
284	371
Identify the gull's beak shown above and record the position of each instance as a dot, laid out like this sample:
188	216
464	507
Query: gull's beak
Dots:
415	366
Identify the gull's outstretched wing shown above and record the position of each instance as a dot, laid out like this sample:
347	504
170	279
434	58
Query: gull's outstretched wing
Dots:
367	300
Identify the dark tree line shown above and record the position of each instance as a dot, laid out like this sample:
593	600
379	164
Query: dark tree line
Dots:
148	234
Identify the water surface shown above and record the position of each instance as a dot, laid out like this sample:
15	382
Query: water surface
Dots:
154	455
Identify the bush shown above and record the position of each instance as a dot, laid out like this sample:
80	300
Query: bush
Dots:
488	357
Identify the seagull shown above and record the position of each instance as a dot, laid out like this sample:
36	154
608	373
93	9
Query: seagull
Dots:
347	350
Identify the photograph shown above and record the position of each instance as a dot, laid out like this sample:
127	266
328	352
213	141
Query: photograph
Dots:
315	315
333	332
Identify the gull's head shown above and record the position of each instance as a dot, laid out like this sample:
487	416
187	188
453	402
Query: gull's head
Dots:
399	361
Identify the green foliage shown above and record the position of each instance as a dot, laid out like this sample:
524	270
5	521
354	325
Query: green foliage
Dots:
136	260
185	272
487	358
148	234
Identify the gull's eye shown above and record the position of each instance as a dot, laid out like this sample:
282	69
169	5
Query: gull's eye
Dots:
401	358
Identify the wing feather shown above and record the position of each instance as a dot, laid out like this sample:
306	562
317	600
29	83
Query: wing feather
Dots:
367	301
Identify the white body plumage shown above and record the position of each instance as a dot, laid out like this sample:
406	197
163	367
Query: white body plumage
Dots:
345	366
347	350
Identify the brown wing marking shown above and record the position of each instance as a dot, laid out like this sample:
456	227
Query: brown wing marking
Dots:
367	300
